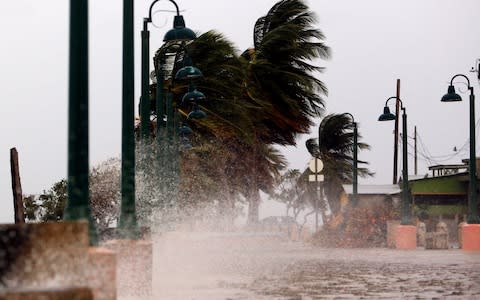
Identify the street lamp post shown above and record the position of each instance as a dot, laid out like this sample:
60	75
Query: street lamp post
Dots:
78	204
179	33
355	160
167	132
406	218
452	96
166	140
406	232
128	219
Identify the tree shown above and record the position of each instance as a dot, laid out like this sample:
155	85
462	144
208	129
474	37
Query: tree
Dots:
263	97
264	164
31	208
290	190
104	197
281	80
54	201
48	206
209	171
105	192
334	146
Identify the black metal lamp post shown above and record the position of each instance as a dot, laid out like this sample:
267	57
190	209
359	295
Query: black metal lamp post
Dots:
452	96
167	132
355	160
175	39
78	206
406	218
179	33
128	219
186	74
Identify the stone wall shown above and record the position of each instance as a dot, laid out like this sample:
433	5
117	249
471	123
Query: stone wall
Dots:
43	255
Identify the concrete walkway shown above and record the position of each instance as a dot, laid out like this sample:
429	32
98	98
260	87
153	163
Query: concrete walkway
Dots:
203	266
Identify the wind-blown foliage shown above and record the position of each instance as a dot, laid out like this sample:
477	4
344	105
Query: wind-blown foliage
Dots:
104	197
261	98
256	100
334	146
280	76
290	190
48	206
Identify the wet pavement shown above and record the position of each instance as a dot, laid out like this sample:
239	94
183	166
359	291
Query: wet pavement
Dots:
209	266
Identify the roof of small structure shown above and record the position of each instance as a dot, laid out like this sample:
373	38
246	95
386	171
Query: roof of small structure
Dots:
373	189
451	166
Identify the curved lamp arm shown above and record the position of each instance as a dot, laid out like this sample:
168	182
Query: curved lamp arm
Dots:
149	19
461	75
351	116
394	97
400	100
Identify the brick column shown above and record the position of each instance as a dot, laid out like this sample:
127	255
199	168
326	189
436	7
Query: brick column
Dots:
44	255
134	266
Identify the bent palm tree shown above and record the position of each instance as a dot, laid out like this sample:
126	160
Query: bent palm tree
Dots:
334	146
267	96
280	77
232	125
280	80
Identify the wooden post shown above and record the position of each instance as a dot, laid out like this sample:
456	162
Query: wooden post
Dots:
16	188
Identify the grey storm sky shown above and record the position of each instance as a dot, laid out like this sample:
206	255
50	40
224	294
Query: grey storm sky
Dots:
374	42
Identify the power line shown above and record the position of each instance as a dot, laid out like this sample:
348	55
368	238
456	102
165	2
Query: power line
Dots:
437	159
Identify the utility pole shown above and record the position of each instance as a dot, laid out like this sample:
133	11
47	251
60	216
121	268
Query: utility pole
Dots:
16	188
395	141
415	148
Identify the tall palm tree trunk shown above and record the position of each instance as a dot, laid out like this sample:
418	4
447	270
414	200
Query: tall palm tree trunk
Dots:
253	207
